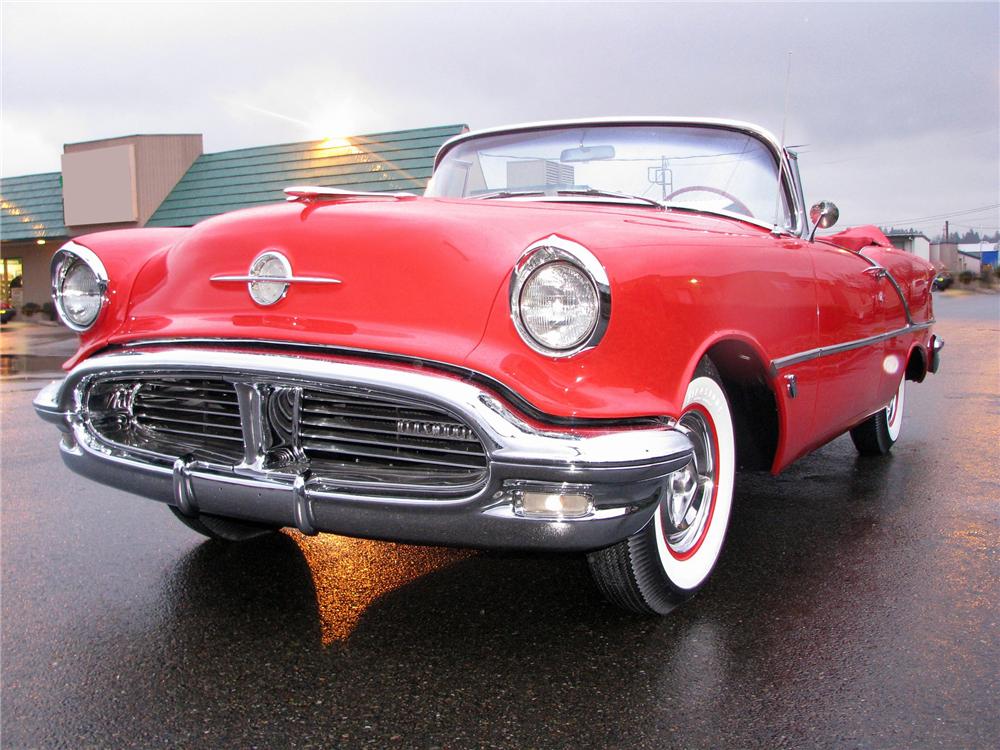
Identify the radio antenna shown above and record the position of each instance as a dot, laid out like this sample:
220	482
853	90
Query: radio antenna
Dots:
784	125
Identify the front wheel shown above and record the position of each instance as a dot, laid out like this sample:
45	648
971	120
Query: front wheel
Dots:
666	562
877	434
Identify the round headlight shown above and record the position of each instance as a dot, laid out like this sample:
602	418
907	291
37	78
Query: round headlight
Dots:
79	282
560	298
559	306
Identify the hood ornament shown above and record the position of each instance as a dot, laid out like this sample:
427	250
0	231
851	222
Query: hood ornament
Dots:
269	277
310	193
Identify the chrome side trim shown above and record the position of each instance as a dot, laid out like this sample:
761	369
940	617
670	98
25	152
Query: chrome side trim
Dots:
826	351
279	279
881	270
549	250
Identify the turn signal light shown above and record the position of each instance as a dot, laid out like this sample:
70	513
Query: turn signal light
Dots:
552	503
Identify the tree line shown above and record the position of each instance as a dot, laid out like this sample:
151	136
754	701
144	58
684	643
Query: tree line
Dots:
970	236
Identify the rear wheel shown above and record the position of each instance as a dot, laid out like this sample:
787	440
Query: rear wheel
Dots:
222	529
667	562
877	434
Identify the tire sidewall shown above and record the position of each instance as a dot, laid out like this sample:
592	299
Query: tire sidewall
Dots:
686	575
893	428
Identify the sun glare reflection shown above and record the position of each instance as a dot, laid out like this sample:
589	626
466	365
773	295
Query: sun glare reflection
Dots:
336	146
349	575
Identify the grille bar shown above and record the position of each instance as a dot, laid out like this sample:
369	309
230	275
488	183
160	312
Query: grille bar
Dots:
366	429
169	416
150	419
342	446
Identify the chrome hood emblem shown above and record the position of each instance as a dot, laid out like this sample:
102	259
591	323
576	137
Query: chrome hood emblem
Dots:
269	277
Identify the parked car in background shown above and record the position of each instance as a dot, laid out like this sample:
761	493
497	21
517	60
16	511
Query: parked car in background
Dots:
942	280
7	312
571	342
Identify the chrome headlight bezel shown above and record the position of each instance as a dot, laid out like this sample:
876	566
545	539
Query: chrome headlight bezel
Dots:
66	258
551	250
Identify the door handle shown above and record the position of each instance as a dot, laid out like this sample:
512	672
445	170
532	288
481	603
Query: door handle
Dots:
877	272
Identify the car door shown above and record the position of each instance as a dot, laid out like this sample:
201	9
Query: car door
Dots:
851	295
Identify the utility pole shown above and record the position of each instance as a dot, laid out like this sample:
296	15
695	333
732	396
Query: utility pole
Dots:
946	238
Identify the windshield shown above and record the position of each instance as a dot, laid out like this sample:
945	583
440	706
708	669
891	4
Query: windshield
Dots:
701	168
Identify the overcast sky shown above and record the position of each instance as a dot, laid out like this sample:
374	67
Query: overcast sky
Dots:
899	104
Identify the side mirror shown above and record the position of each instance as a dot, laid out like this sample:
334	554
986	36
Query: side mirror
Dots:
823	215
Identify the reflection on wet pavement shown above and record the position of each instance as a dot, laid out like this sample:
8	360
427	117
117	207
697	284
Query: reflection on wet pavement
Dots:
855	605
349	575
13	365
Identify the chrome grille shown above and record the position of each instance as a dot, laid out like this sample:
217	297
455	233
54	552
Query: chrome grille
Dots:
170	416
345	436
387	436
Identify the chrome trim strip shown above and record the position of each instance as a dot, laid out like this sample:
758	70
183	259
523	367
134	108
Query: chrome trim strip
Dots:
279	279
506	437
717	122
346	351
798	210
825	351
886	273
549	250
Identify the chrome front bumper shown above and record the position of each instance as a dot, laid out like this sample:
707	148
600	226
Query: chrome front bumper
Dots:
624	469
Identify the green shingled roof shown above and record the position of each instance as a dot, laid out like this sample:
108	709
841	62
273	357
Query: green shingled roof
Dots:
400	160
32	207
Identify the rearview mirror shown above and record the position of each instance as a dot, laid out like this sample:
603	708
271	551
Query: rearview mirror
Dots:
588	153
823	215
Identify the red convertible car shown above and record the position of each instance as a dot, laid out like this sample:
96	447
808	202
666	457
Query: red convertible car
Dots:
571	341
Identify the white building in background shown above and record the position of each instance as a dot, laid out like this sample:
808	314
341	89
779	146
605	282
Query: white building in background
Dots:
972	256
912	242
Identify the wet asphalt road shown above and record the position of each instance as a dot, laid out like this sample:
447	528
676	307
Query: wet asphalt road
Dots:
857	604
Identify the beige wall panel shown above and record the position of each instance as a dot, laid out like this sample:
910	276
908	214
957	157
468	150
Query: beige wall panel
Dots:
99	186
161	161
37	287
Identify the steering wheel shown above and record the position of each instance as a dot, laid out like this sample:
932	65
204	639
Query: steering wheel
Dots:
706	189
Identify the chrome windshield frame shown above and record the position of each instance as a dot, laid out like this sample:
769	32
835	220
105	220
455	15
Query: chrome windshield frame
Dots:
786	181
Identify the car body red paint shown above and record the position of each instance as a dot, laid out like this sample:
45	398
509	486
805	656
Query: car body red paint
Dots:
810	338
424	278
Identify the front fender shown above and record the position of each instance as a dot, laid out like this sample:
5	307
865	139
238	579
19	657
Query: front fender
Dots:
124	253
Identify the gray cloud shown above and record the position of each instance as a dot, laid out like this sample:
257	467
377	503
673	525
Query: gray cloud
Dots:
898	103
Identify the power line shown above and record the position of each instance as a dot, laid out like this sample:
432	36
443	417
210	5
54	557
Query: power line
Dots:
948	215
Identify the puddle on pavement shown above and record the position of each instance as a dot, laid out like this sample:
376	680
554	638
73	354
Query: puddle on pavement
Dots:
26	366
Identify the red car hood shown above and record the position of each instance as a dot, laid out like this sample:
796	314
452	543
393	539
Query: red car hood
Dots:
418	276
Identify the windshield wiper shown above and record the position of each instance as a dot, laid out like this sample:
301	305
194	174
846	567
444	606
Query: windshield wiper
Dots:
593	192
611	194
506	194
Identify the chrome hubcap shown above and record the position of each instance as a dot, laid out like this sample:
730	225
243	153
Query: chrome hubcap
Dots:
689	491
890	411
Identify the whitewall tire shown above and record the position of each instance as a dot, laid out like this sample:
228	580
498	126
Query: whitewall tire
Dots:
877	434
671	558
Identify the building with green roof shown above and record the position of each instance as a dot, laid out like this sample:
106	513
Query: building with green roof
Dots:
166	181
